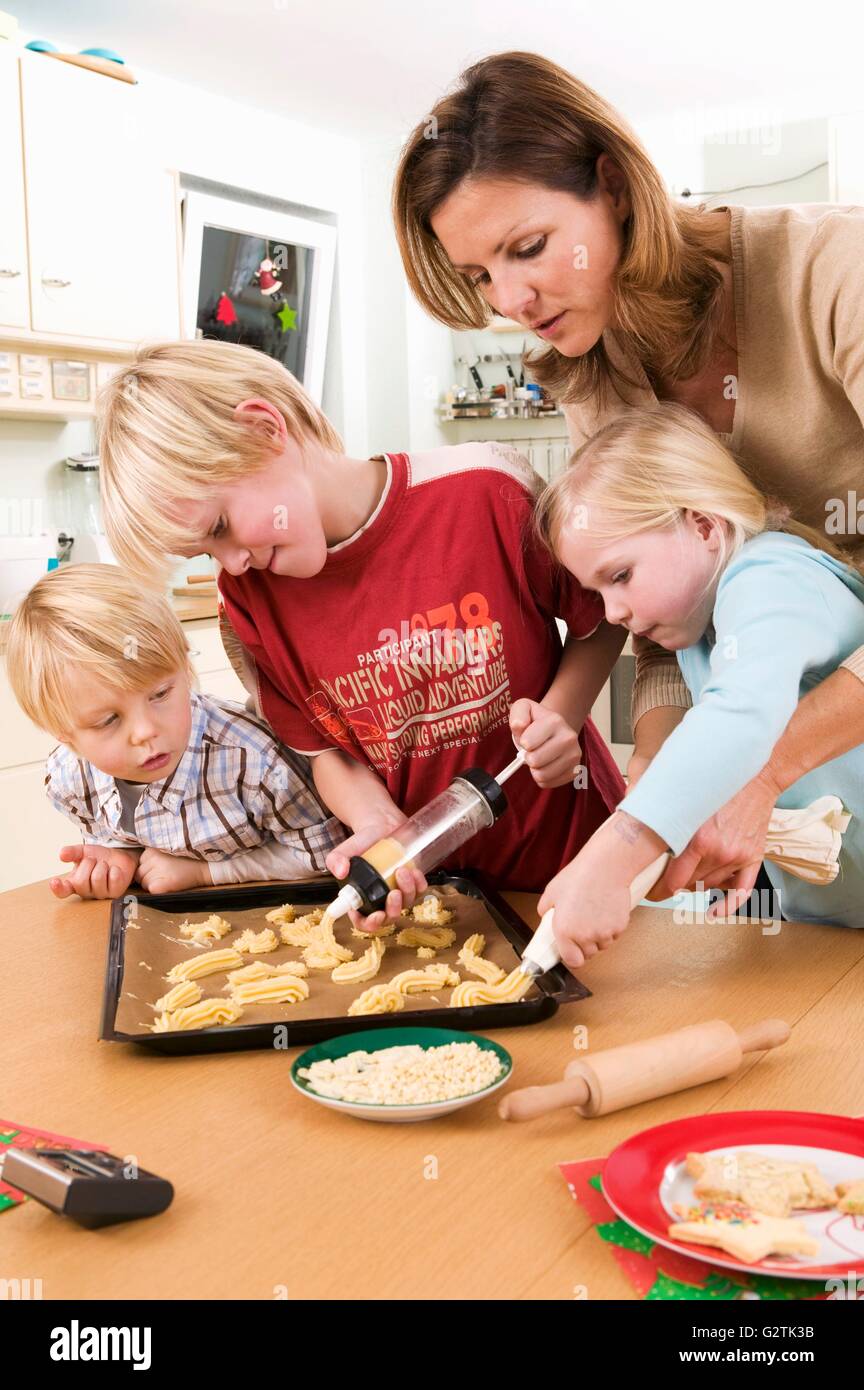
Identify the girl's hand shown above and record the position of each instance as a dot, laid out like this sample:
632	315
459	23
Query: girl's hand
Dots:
727	850
590	912
171	873
553	748
100	871
410	882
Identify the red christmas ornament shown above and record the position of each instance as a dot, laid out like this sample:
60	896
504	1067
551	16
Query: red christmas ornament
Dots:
225	311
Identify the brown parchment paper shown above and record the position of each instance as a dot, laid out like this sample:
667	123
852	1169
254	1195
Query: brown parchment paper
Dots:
154	945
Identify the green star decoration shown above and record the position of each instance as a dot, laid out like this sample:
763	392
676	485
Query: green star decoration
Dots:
287	317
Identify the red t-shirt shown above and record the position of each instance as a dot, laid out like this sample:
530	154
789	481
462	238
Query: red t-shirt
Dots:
409	647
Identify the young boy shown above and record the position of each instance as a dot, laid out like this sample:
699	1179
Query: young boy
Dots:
168	786
398	611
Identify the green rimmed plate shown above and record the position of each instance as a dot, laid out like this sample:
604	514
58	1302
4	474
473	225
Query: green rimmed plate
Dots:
375	1040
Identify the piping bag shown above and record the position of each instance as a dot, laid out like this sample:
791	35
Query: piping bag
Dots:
542	952
805	842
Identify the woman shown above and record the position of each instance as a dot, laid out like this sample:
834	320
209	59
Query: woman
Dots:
534	199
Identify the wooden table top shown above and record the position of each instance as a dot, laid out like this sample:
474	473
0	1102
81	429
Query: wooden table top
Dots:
278	1197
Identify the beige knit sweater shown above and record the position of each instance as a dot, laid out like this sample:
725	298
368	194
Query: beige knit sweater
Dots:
798	429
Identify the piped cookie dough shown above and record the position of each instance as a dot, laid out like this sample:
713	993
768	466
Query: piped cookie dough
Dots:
378	999
256	943
180	997
438	938
437	976
204	1015
471	959
507	991
272	989
212	929
431	912
208	964
355	972
298	931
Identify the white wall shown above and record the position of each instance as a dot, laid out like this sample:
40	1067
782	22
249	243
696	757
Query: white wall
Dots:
365	389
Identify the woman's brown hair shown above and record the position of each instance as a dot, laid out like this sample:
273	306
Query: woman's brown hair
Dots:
519	116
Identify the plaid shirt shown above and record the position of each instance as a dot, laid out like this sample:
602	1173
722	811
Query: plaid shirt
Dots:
234	788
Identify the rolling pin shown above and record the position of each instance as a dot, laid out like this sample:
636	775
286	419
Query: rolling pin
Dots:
621	1076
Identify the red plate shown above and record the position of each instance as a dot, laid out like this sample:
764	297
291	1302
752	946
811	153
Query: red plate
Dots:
645	1170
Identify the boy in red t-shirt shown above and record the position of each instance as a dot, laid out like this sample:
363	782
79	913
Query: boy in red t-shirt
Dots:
397	613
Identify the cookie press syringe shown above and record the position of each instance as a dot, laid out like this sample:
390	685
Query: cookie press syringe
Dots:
473	801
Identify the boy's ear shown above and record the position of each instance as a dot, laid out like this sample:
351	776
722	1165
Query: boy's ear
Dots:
261	415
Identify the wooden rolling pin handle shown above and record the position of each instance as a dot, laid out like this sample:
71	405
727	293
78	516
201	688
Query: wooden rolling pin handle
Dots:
200	579
533	1101
769	1032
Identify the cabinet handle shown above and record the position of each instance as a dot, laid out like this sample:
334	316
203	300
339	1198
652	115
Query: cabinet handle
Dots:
9	274
52	283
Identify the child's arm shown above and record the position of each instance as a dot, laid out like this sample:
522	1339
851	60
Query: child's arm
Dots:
591	895
549	730
358	797
102	869
272	860
772	623
300	833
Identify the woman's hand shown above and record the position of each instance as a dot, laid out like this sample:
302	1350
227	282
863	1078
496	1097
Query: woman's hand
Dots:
100	871
409	882
727	850
553	748
590	911
171	873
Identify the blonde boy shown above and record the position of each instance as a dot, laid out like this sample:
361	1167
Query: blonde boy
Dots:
168	786
397	615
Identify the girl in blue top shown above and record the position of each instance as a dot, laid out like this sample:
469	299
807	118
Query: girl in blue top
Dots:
655	514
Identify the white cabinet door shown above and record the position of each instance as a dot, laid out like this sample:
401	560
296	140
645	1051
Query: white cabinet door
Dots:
101	215
33	832
14	306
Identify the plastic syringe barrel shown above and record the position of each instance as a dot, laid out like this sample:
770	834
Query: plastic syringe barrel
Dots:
471	802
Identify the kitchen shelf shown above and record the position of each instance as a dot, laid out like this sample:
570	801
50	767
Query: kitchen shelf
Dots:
505	410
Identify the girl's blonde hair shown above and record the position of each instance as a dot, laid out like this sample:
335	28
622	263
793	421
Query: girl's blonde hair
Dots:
519	116
646	469
168	433
96	619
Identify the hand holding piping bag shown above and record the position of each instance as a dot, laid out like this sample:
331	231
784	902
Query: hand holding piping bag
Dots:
588	904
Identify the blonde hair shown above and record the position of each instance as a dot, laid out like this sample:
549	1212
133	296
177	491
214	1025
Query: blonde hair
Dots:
519	116
647	468
168	433
93	618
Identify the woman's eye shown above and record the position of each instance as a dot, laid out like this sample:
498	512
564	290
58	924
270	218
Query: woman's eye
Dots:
533	250
621	577
218	528
478	280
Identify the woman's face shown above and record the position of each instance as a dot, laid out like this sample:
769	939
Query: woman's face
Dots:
538	255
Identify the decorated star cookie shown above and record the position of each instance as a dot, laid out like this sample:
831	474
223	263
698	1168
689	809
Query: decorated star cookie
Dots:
746	1235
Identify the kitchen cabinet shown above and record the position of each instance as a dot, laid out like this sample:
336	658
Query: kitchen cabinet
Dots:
31	831
101	214
14	280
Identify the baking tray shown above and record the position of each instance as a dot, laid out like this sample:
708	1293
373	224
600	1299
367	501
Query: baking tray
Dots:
556	987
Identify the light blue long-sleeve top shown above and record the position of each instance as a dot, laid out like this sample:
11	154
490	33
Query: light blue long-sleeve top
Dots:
785	616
